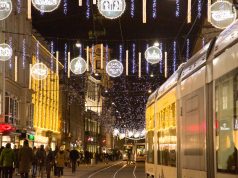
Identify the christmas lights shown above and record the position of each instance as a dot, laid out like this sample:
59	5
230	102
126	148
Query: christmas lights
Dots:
177	11
174	55
187	49
189	11
133	58
144	11
120	53
132	8
65	7
154	9
52	55
88	9
102	51
147	63
199	15
65	57
93	67
16	68
10	57
19	6
107	54
6	9
161	62
127	62
24	53
37	51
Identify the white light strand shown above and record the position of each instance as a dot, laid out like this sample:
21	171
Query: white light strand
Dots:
144	11
69	64
107	53
187	49
87	55
10	60
102	56
139	73
37	51
177	11
133	58
52	56
93	71
81	50
24	53
209	3
165	65
147	63
94	2
132	8
127	62
189	13
154	9
161	62
87	9
80	2
174	56
30	66
65	57
16	68
65	7
29	9
120	53
19	6
199	9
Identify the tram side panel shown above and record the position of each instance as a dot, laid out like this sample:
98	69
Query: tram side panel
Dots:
225	75
193	126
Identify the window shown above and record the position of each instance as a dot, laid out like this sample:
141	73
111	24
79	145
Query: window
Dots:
226	116
150	147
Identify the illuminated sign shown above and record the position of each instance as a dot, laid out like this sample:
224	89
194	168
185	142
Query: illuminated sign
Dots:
224	127
111	9
5	52
153	55
39	71
78	66
114	68
46	5
223	13
5	8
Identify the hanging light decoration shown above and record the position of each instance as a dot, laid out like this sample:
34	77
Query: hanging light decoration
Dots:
6	49
5	52
177	11
107	53
139	57
144	11
147	63
46	6
187	49
111	11
6	9
153	54
24	53
199	14
52	55
127	62
189	11
174	56
120	53
80	2
165	64
37	51
88	9
154	9
16	68
19	6
65	57
114	68
132	8
65	7
78	66
161	61
133	58
39	71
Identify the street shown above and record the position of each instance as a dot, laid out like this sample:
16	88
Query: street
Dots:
111	170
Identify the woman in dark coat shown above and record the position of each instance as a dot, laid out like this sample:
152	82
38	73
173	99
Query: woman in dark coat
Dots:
49	159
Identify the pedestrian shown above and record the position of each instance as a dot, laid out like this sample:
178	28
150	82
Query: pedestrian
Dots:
7	160
87	157
74	156
40	157
16	164
34	162
49	159
60	161
1	168
54	162
25	158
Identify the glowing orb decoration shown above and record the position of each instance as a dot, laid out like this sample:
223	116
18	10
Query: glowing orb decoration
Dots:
114	68
78	66
111	9
46	5
223	13
39	71
5	8
122	136
5	52
153	55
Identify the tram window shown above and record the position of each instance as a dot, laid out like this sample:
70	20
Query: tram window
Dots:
226	112
150	147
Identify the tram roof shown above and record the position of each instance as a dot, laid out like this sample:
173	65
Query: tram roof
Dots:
151	98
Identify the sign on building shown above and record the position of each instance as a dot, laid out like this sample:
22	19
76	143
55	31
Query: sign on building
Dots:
153	55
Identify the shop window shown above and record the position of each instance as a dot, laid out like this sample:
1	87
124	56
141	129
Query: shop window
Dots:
226	115
150	147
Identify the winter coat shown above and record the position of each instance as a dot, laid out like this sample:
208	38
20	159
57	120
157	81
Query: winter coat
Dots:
60	159
7	157
49	158
40	157
74	155
25	158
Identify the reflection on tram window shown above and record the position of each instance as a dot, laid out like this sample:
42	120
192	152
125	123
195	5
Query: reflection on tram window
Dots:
150	147
226	115
167	136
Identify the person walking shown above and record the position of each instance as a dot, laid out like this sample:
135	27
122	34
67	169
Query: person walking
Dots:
40	157
74	156
87	157
7	160
34	162
60	162
49	159
25	158
16	164
1	167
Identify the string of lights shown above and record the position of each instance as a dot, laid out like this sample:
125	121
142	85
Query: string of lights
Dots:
174	56
133	58
132	9
19	6
88	9
65	7
52	55
154	9
10	60
161	62
24	53
65	57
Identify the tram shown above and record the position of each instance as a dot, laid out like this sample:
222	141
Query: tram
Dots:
192	119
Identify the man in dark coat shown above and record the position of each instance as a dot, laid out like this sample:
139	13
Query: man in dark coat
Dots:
49	159
40	157
25	158
74	156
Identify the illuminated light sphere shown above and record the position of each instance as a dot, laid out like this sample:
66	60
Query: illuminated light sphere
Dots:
114	68
223	14
137	135
39	71
153	55
111	9
78	66
5	8
5	52
130	134
46	5
122	136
